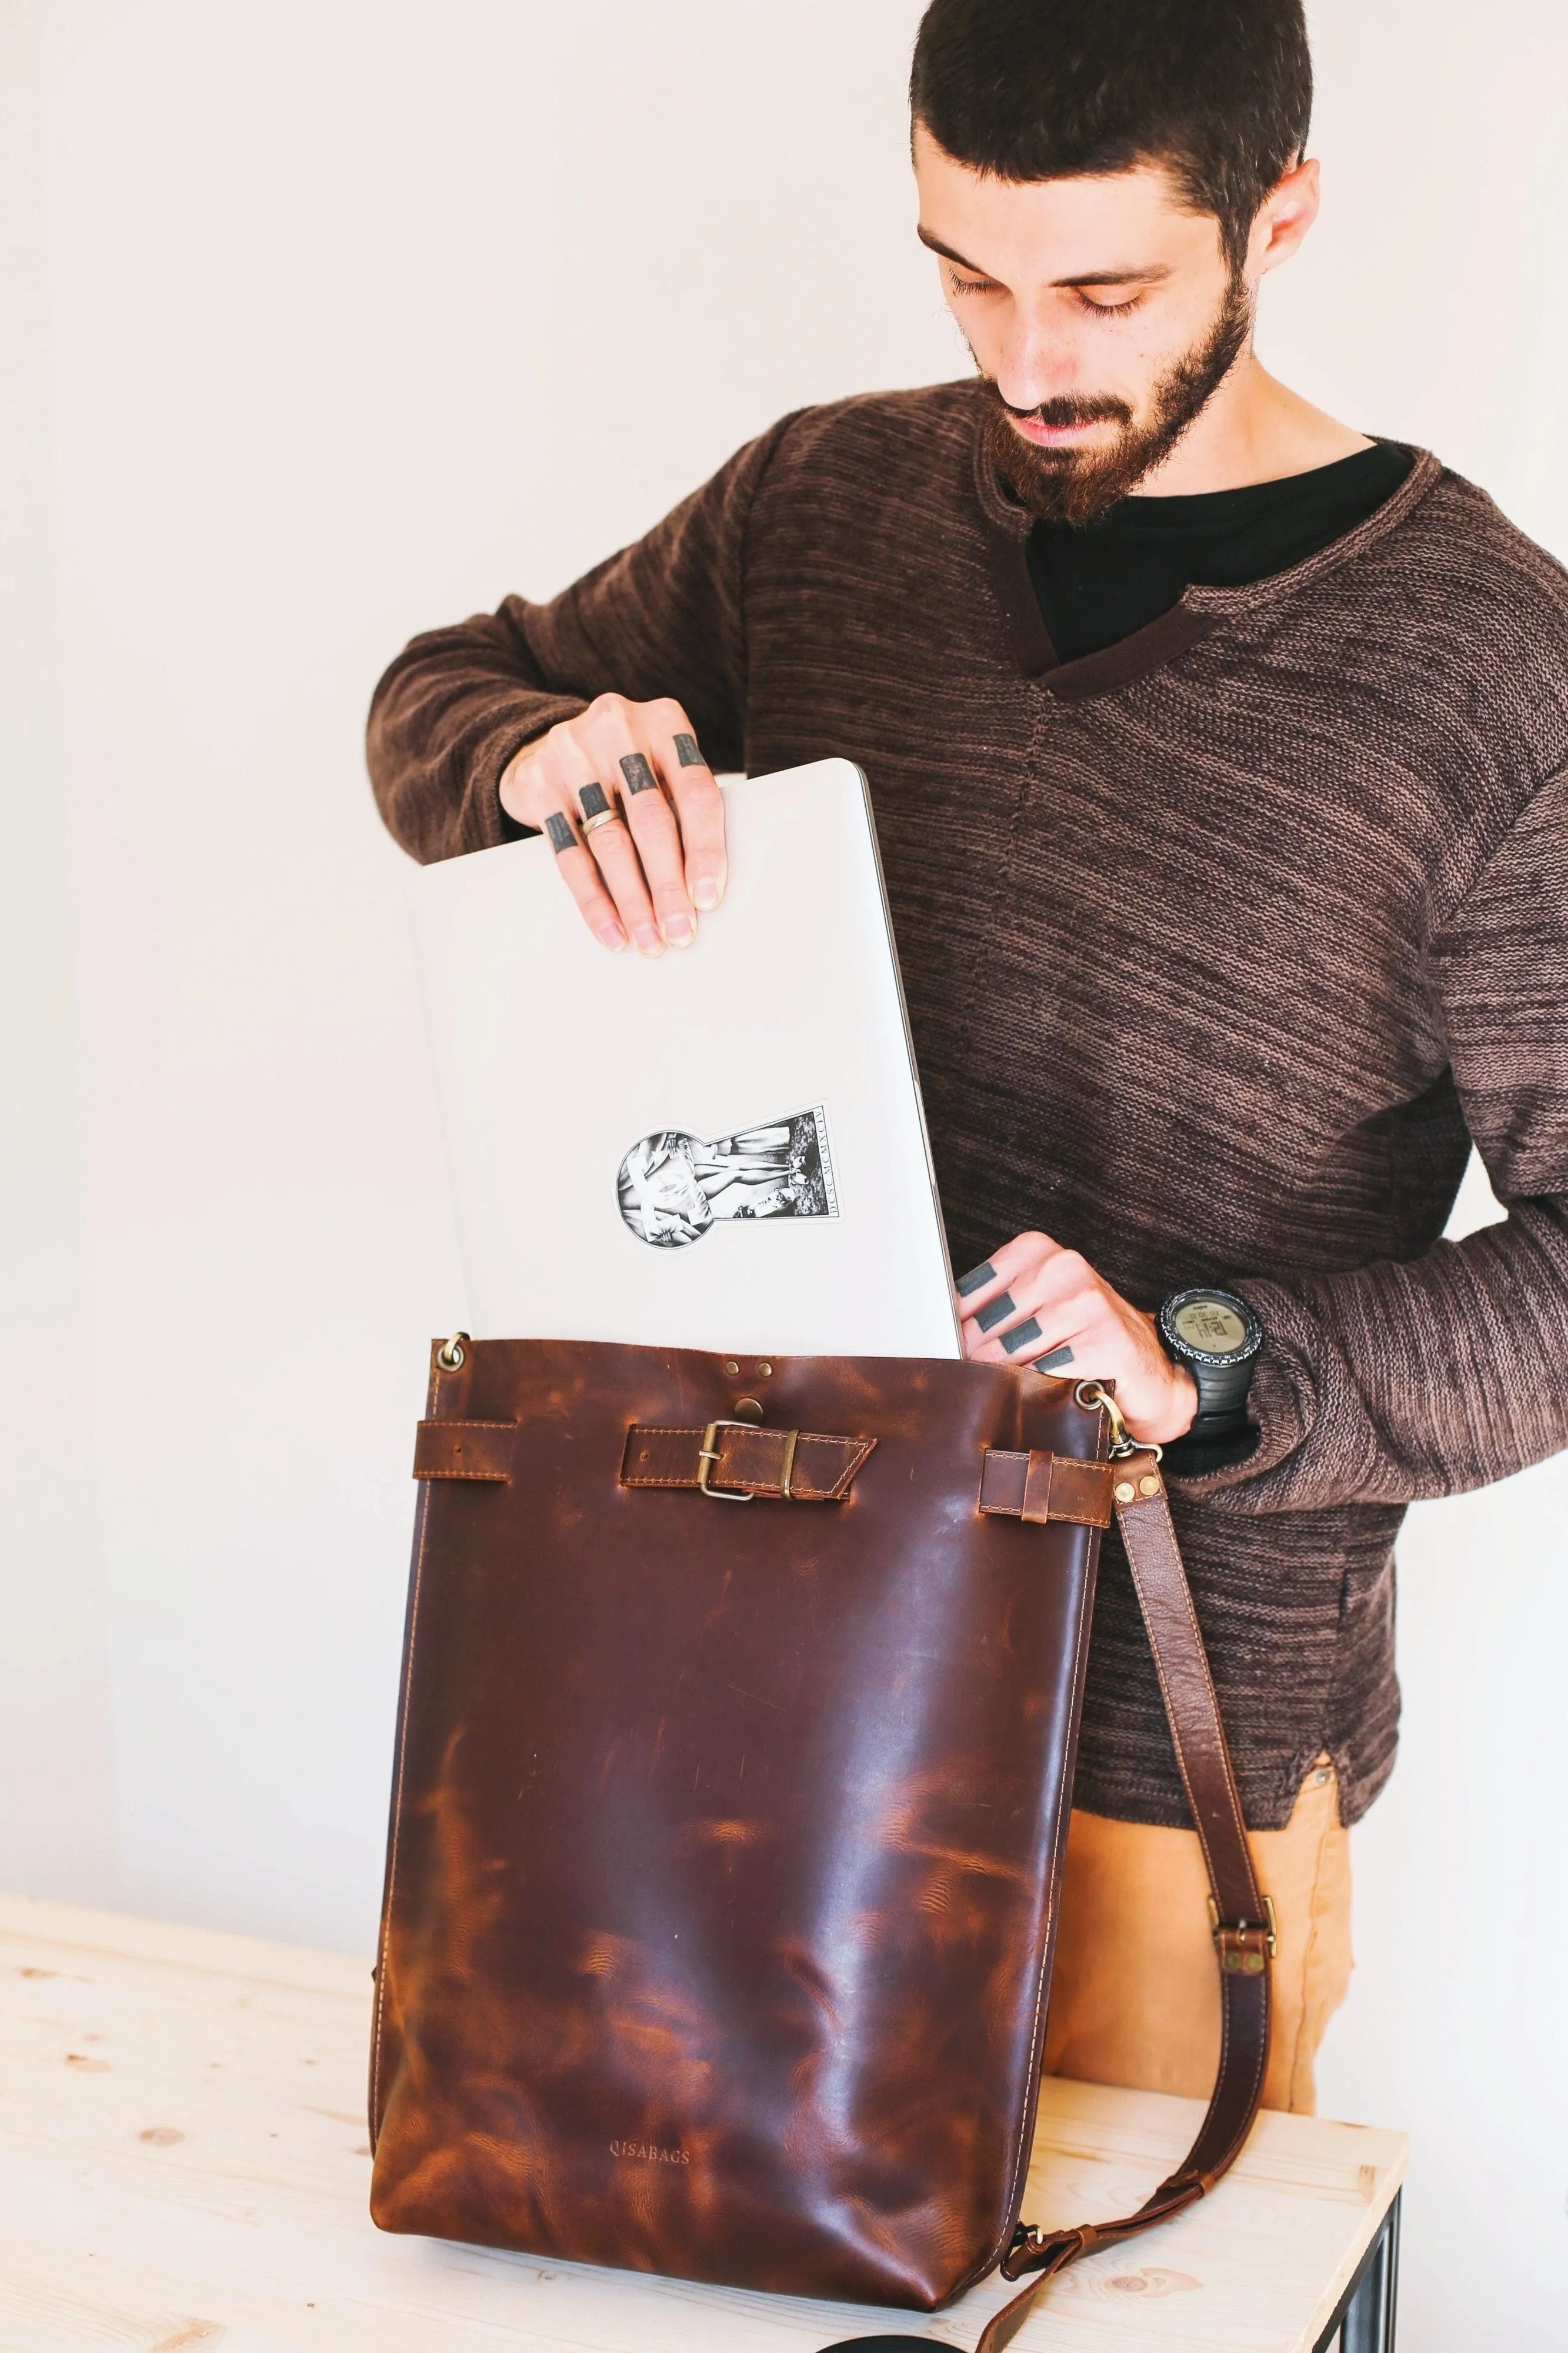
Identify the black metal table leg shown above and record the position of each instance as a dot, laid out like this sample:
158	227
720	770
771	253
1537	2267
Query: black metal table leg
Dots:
1364	2321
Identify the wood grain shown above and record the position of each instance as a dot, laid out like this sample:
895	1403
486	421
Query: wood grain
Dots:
183	2165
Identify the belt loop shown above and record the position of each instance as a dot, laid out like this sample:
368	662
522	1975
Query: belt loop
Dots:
1038	1478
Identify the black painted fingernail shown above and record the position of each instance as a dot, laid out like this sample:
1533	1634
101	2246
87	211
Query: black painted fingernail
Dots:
559	828
594	800
1053	1362
687	752
639	776
1021	1334
975	1279
997	1311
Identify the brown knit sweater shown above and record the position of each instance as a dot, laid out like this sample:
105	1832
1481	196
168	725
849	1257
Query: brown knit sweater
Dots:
1219	947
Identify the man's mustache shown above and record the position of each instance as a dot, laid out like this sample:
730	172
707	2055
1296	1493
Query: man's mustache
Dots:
1072	409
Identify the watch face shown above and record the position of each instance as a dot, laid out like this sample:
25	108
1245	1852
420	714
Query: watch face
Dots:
1211	1325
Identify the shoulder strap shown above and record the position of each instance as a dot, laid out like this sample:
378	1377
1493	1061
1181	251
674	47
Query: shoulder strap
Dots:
1244	1940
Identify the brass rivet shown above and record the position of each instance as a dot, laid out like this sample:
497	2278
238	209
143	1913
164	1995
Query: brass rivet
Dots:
1149	1486
765	1370
1255	1965
730	1366
1125	1490
748	1409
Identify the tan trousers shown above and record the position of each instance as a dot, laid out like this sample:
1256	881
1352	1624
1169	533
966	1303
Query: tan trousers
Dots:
1135	1990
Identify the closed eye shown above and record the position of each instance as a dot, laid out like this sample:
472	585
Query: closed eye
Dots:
1108	310
959	284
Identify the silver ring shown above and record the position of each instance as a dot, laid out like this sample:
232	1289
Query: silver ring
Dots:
451	1352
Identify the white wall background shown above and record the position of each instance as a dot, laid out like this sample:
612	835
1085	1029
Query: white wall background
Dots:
328	320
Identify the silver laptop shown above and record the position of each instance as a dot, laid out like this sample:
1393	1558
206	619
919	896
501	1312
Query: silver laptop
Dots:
721	1149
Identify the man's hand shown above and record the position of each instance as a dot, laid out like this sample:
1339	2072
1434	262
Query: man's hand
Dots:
643	874
1034	1301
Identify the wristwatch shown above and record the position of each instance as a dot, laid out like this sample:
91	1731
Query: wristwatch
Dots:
1218	1339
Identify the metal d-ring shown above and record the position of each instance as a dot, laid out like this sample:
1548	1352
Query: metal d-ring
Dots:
1091	1396
451	1352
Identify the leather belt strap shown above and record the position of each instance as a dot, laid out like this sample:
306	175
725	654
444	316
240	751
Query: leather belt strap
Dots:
1243	1939
1041	1487
464	1450
735	1459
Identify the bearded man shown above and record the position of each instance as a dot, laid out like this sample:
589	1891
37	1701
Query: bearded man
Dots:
1218	755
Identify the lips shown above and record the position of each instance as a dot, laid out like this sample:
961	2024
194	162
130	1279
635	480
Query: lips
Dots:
1050	436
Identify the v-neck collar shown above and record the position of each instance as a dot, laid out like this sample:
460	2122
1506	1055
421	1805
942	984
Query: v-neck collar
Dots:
1195	615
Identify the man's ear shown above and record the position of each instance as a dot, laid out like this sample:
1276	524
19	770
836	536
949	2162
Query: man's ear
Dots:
1285	216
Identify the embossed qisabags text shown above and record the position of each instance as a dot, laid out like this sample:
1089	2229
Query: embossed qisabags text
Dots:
649	2153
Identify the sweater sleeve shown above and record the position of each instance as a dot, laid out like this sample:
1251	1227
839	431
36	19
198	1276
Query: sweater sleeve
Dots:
664	617
1397	1381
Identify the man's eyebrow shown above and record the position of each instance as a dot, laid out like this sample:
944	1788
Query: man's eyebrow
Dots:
1153	275
948	254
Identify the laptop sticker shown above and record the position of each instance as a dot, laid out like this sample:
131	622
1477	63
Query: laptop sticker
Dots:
673	1186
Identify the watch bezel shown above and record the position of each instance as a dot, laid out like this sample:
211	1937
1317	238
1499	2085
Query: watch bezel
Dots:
1184	1350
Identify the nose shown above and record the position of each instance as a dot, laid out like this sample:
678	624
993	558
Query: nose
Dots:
1034	366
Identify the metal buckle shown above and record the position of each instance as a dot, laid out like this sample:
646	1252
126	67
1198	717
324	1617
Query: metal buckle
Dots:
707	1454
1233	1938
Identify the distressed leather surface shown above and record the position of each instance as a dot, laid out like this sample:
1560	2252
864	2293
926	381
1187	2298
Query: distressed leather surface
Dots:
725	1838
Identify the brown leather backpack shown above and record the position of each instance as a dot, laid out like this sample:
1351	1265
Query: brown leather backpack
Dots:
740	1704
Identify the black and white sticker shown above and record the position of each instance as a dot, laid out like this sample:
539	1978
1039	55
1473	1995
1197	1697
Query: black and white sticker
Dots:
673	1186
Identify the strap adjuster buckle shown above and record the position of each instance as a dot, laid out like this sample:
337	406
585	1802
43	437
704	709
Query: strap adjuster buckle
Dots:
708	1455
1242	1944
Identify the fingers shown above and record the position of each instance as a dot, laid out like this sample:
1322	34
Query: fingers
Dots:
1028	1304
646	817
535	790
655	837
673	808
699	803
602	870
579	871
1033	1302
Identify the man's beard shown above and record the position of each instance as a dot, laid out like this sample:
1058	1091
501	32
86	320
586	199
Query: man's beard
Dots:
1080	486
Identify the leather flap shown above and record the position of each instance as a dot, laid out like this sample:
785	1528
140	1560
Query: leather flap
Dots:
464	1450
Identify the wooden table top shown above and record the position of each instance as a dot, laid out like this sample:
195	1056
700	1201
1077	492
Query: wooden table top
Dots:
184	2163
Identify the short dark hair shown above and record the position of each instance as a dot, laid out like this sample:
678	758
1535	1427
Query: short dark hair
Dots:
1219	91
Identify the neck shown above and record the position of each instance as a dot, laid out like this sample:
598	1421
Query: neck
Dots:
1255	429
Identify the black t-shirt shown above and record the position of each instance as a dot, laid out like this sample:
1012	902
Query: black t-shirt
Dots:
1098	582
